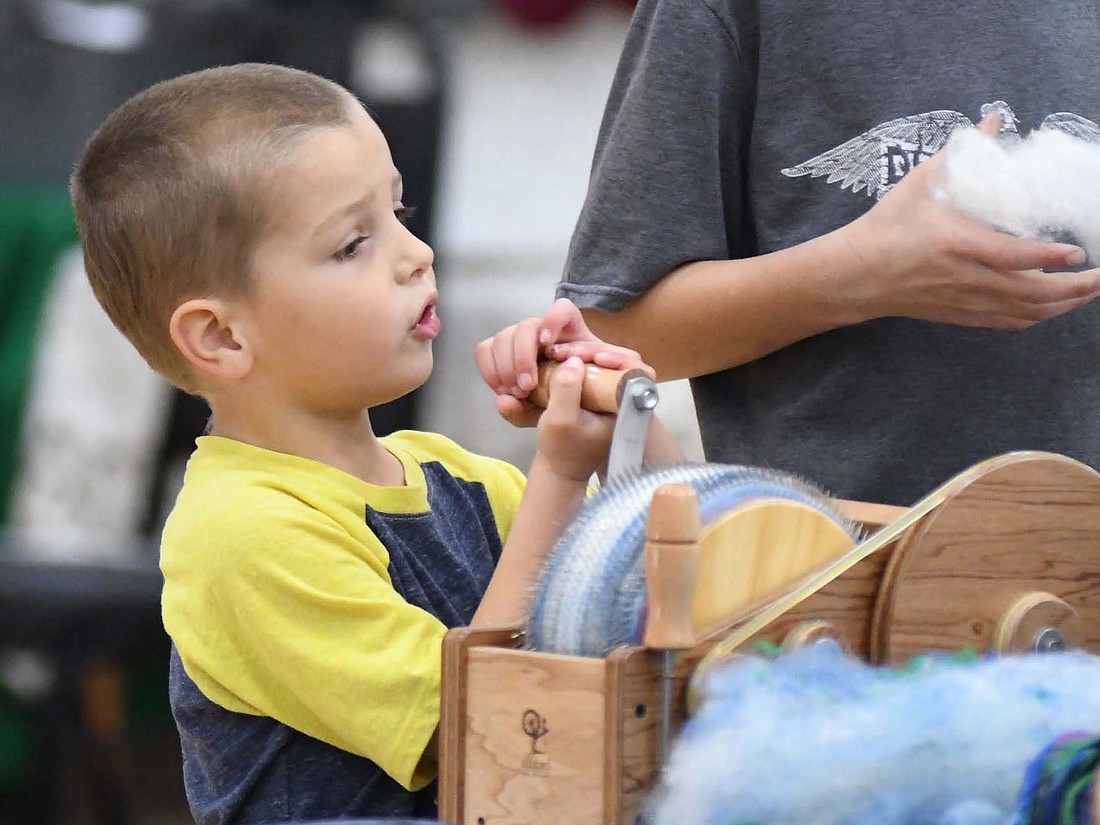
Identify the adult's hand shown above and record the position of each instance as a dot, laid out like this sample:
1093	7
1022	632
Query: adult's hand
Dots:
923	259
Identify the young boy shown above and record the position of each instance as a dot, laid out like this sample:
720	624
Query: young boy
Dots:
242	226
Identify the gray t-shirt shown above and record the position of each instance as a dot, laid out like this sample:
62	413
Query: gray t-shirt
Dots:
712	148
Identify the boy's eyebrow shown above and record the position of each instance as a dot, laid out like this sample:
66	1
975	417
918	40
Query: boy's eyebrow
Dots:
350	209
355	206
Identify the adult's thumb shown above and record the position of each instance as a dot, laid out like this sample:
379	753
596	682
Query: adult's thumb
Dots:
990	125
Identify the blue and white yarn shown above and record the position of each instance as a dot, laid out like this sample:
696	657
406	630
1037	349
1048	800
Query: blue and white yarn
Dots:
816	738
591	595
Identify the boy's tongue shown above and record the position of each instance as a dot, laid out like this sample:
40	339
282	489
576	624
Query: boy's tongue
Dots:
428	324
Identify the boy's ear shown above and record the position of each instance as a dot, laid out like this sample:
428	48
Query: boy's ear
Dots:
204	331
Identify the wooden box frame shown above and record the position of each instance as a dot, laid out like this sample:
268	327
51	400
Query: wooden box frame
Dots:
1012	545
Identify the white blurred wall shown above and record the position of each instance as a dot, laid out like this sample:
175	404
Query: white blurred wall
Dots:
524	111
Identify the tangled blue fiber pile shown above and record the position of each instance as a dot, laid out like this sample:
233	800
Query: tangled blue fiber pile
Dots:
817	738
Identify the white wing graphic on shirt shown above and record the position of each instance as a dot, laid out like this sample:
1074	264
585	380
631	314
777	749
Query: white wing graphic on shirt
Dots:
876	160
1074	125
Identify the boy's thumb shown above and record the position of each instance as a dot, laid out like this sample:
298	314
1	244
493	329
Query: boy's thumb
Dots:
566	383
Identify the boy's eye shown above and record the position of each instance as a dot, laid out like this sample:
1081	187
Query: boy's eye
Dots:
349	251
404	213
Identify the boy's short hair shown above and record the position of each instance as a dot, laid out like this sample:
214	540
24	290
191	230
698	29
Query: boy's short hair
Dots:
170	192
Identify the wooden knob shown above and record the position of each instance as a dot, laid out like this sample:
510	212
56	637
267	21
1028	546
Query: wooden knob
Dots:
1034	614
599	393
671	567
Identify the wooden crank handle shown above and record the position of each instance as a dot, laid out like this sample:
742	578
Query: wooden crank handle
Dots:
671	567
599	393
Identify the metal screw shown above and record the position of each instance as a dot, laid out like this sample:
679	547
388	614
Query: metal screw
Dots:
1050	640
644	394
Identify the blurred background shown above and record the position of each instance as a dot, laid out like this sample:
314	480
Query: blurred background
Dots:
491	108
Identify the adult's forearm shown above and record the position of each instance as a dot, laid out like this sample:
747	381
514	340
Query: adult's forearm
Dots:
713	315
910	256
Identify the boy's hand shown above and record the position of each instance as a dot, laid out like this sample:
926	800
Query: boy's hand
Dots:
572	442
509	360
924	260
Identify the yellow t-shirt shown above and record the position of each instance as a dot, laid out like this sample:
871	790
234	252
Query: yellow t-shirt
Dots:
279	593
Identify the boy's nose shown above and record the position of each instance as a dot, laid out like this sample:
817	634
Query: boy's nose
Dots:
419	258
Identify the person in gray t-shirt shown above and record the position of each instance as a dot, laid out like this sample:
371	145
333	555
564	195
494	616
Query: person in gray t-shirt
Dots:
761	219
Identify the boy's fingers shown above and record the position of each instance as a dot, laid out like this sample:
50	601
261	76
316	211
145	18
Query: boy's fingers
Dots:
525	352
486	364
609	358
620	358
516	412
602	355
563	322
504	360
553	322
565	388
561	351
591	350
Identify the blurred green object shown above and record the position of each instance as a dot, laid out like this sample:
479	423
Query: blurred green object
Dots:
16	742
36	229
147	706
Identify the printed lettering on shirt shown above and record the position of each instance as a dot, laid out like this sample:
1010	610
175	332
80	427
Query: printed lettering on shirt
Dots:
875	161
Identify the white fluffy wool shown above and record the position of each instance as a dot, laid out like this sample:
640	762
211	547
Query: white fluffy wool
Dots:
1042	187
815	738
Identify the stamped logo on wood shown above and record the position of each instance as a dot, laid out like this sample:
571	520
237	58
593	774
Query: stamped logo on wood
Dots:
536	762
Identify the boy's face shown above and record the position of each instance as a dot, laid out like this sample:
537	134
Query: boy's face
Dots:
342	311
